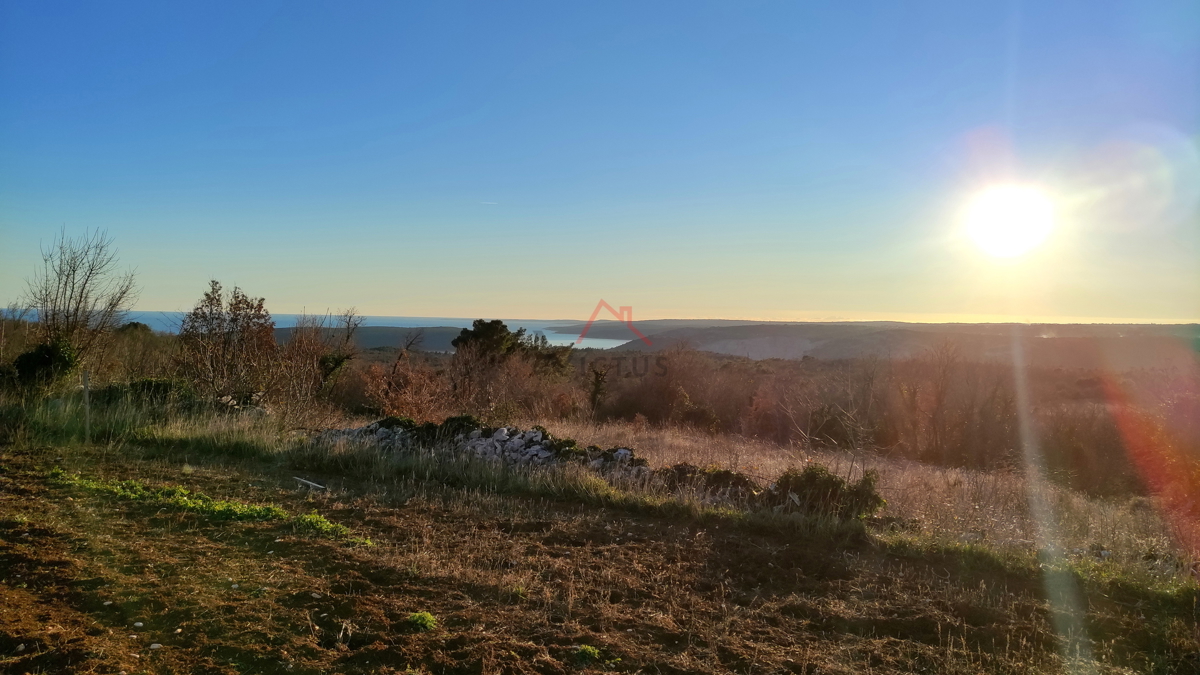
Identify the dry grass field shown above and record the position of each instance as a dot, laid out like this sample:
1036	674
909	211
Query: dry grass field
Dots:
949	504
529	574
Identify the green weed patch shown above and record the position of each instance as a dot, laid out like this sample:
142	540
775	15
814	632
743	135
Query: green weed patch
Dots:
181	499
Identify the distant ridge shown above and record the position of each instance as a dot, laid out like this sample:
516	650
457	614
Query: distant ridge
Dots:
1112	346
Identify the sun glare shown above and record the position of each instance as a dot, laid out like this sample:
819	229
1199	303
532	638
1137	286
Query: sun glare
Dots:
1006	221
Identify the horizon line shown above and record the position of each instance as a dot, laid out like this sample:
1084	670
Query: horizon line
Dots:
935	320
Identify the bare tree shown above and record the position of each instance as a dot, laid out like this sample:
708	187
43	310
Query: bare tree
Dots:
79	295
227	348
311	360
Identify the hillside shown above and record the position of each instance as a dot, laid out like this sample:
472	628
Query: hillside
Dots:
516	580
1085	346
1111	347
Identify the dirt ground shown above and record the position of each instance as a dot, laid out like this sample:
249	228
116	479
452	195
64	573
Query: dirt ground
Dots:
92	584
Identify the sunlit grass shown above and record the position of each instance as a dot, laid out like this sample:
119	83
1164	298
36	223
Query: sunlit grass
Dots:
942	507
181	499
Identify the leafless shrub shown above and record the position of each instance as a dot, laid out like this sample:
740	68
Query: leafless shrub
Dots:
227	348
309	365
136	352
513	386
79	296
410	387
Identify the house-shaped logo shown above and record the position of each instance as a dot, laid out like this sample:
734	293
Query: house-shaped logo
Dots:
625	316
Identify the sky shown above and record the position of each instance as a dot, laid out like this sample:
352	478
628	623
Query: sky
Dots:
748	160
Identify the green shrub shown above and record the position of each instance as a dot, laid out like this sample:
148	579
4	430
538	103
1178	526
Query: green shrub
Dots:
564	448
45	365
462	424
422	622
586	655
394	422
817	491
710	478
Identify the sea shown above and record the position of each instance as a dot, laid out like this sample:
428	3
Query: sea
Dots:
169	322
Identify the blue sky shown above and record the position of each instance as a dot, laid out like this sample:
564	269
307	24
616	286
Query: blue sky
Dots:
736	159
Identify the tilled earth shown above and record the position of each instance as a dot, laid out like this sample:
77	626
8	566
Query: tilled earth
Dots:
517	586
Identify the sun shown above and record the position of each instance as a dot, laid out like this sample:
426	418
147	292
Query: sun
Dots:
1006	221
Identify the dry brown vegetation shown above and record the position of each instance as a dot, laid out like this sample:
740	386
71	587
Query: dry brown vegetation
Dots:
516	583
948	504
976	564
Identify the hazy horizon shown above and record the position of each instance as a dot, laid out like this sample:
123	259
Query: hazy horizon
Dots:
373	320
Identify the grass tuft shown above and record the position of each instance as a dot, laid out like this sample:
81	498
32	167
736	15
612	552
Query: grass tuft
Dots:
317	525
422	622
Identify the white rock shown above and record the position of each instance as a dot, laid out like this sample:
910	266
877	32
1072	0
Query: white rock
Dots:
623	455
475	434
137	624
501	434
155	646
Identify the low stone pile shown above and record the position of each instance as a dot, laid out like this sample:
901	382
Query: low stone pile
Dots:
813	490
506	445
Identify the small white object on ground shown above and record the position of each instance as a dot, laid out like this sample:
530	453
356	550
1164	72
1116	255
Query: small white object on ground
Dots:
107	603
137	624
234	587
317	595
155	646
309	483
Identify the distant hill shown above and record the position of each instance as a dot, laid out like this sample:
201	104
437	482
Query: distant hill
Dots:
1056	345
433	339
615	330
1113	346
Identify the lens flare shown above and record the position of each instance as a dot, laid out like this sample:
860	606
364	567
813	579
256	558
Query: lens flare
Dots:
1006	221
